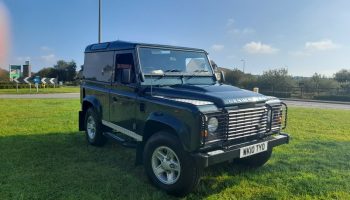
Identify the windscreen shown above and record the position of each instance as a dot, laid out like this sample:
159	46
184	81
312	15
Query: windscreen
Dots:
167	61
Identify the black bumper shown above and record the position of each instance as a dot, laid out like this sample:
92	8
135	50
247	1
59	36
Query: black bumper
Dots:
221	155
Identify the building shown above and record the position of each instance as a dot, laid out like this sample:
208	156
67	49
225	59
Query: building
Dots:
27	69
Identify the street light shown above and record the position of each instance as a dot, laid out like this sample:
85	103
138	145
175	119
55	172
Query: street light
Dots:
99	21
243	63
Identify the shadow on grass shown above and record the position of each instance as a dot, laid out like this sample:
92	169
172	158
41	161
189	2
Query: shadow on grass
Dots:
63	166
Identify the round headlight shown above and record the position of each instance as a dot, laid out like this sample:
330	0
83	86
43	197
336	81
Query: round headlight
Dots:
213	124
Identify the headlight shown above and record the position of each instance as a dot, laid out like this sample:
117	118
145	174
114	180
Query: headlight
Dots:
213	124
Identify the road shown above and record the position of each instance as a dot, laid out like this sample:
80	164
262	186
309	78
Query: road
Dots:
292	103
314	104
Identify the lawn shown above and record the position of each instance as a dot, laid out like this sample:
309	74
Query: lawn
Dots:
43	156
41	90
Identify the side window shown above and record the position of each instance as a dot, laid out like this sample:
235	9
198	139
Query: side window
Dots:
98	66
124	61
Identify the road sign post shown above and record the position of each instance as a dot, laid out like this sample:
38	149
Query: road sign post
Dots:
17	81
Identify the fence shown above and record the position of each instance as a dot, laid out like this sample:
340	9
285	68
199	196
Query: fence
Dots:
336	94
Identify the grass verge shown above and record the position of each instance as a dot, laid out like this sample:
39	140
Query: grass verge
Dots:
41	90
43	156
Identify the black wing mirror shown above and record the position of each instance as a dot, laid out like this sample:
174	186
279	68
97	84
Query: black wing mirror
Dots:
220	76
126	76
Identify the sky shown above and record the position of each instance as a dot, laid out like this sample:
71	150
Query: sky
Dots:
303	36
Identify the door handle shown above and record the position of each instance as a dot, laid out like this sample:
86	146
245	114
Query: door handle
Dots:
115	99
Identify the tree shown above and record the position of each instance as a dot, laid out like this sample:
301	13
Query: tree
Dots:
66	71
48	72
343	76
4	75
277	79
233	77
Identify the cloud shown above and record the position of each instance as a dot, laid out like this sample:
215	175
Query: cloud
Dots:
217	47
51	58
321	45
230	22
45	48
313	47
259	48
232	29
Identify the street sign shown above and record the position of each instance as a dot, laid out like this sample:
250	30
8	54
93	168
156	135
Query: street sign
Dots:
15	79
43	80
36	79
53	81
26	80
15	71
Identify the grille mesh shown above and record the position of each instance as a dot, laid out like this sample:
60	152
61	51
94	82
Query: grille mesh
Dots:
247	122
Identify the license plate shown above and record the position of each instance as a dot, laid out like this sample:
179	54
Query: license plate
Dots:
253	149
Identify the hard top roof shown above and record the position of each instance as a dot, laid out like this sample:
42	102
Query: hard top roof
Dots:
123	45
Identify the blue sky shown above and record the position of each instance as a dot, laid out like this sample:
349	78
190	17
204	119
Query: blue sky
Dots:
304	36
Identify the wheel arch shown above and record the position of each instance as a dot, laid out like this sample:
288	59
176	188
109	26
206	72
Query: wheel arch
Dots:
162	122
88	101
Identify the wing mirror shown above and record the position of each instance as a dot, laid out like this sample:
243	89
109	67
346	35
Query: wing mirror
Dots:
220	76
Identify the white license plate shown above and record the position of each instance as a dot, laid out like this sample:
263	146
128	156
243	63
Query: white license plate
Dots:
253	149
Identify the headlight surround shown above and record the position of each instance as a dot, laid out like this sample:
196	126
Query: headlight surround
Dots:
269	116
213	124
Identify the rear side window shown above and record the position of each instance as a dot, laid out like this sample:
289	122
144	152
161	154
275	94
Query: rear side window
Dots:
124	61
99	66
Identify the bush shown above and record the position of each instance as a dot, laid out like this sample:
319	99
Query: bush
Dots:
278	94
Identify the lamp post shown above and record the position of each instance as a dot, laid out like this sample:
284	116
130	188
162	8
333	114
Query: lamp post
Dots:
99	21
243	64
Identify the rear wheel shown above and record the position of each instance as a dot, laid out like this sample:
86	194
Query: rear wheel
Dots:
93	128
256	160
168	166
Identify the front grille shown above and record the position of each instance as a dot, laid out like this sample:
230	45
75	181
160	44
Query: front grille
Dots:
276	118
238	125
247	122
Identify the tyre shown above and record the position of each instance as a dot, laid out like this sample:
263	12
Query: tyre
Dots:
94	128
256	160
168	166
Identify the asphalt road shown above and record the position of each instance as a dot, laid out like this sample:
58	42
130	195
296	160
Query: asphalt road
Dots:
314	104
292	103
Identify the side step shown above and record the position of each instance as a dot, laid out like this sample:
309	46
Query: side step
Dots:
120	140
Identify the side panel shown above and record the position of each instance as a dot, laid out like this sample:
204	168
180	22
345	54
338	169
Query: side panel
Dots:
123	96
97	76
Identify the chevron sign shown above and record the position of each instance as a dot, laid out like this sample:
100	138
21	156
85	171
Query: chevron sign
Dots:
30	80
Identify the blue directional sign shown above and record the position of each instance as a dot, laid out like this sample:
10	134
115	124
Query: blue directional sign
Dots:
37	79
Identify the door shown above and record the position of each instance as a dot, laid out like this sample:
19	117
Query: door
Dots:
123	96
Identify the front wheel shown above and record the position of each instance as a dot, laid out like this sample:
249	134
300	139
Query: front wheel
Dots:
168	166
93	128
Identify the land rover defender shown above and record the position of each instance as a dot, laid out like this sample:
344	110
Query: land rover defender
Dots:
168	103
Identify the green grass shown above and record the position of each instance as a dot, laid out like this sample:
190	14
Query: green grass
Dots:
41	90
43	156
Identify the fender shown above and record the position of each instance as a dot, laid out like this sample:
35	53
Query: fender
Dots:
179	127
95	103
92	101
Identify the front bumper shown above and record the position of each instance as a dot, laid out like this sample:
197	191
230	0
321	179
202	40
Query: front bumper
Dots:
229	153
